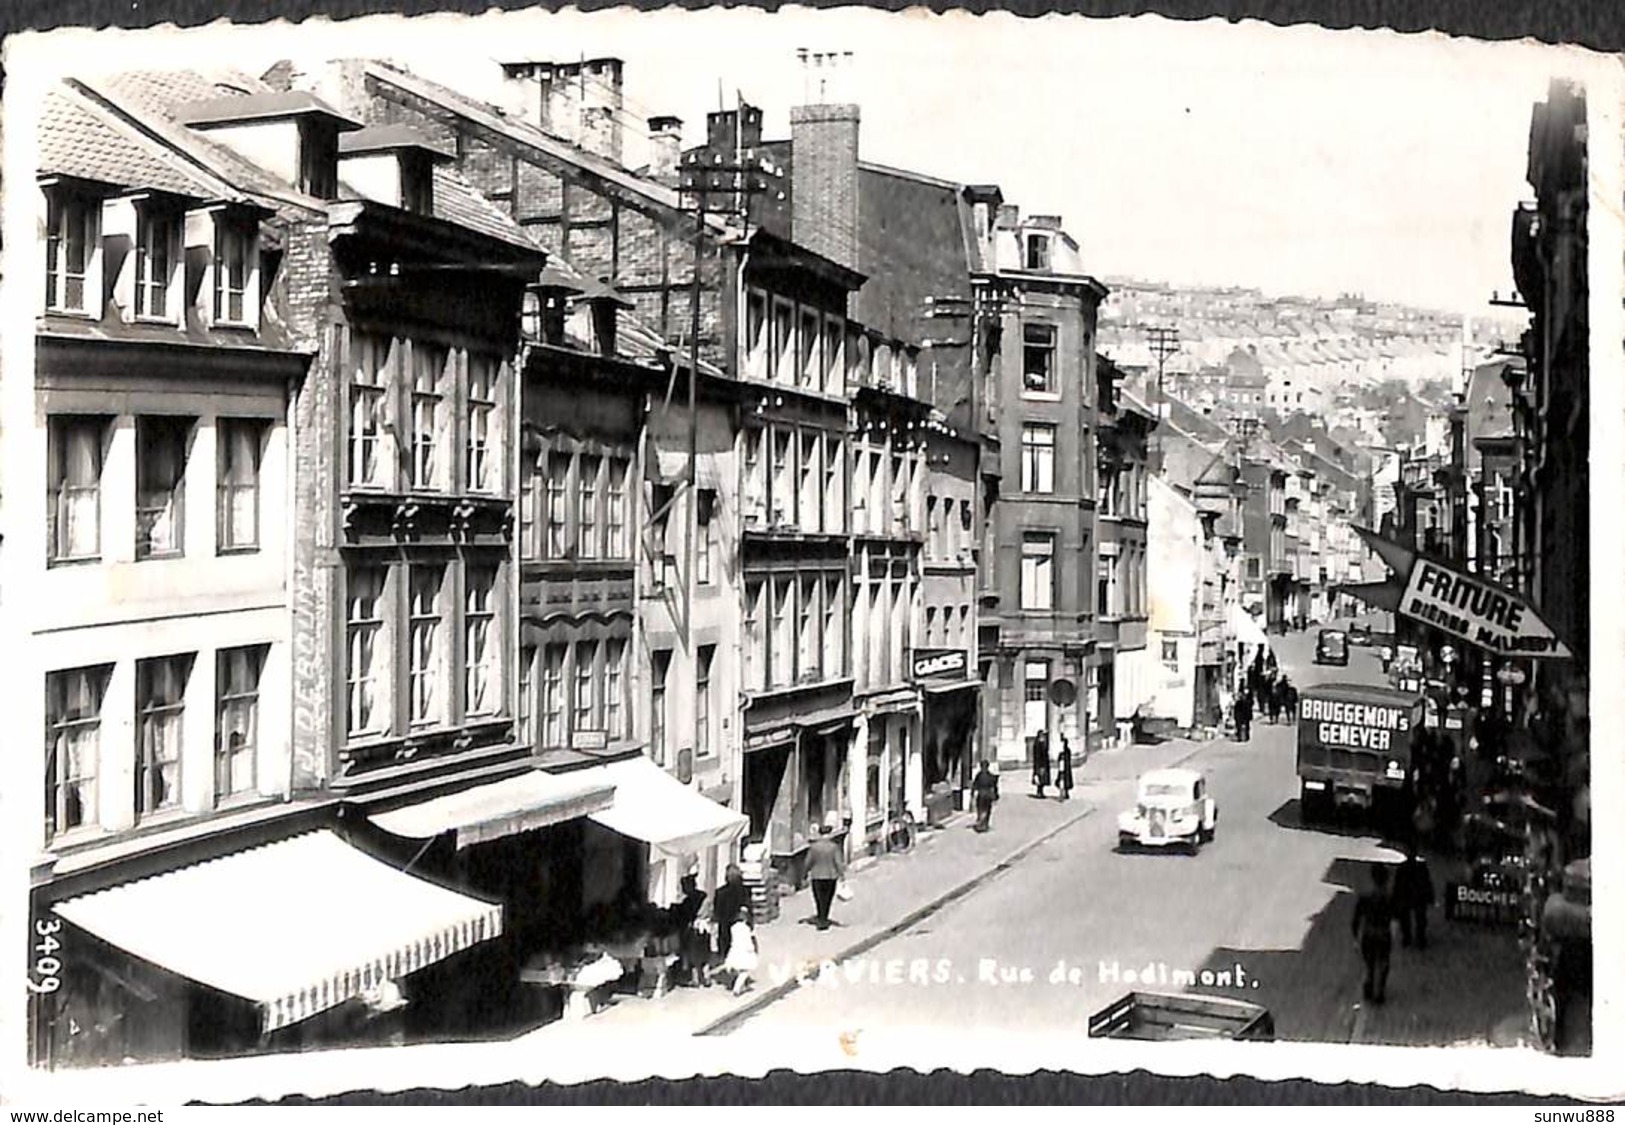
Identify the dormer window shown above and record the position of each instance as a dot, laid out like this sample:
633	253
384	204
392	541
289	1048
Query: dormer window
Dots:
69	243
1038	252
233	250
318	158
156	245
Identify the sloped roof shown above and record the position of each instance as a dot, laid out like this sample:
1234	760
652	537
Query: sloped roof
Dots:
458	201
79	138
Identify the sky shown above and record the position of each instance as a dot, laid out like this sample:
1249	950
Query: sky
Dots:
1293	160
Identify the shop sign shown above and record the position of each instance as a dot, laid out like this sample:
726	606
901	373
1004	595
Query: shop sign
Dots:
1455	718
777	736
939	663
1485	614
1494	905
589	740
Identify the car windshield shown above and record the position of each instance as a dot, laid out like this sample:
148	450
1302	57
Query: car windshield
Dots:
1165	789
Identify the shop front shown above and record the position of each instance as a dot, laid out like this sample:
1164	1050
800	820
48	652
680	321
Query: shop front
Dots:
795	779
303	941
890	788
950	708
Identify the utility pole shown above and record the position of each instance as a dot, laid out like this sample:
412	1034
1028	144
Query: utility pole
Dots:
1164	342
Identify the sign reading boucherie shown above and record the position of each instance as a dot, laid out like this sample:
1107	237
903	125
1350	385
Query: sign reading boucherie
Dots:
1476	611
939	663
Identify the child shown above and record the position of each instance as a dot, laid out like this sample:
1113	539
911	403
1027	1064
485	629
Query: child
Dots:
742	956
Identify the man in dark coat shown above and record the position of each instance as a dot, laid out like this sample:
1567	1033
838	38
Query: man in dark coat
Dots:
1244	717
1413	896
984	790
1041	762
1063	769
732	902
1374	933
825	868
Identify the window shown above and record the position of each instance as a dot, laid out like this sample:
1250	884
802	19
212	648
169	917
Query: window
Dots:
484	466
834	498
525	705
553	696
1038	252
369	382
834	362
237	714
930	626
783	494
366	678
703	516
809	649
1110	493
232	246
1106	587
1038	570
755	635
558	505
76	486
614	688
933	527
318	161
1035	687
160	700
426	658
154	262
69	237
160	475
1038	359
782	362
1170	652
529	505
1255	566
874	761
834	619
702	702
755	500
781	647
428	368
809	345
807	499
659	666
1037	458
483	678
238	442
73	723
757	364
587	510
615	510
585	714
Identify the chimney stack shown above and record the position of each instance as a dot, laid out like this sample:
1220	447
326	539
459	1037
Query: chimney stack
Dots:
665	148
1009	217
579	102
824	171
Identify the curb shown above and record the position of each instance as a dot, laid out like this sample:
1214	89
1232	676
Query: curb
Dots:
728	1022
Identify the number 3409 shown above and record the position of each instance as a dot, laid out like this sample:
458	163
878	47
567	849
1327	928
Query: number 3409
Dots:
46	976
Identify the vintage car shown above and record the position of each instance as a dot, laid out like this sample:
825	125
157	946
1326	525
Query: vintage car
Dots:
1172	806
1332	647
1359	634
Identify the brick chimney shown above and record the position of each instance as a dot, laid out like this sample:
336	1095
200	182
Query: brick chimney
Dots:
665	148
578	102
824	171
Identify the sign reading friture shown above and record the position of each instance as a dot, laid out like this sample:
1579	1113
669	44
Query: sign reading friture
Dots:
1477	611
939	663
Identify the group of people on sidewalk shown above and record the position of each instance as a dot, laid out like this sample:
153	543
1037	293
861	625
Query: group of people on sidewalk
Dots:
1268	692
1402	902
985	785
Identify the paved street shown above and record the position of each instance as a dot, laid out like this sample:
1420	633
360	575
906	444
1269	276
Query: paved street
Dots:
1266	905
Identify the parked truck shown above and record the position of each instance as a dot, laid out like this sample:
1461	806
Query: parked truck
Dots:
1354	748
1181	1015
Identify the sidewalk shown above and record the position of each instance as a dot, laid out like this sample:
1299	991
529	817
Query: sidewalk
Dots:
892	893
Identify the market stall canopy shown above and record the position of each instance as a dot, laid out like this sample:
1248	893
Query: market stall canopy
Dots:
296	927
534	799
1246	628
652	805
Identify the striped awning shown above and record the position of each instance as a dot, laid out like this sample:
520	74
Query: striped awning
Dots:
296	927
534	799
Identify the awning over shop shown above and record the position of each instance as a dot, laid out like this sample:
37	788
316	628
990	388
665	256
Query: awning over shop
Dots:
534	799
652	805
1245	626
296	927
826	719
937	687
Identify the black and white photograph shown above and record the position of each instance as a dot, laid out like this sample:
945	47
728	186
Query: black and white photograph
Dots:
554	545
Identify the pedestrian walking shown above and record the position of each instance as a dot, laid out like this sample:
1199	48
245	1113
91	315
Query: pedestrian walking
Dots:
732	902
1040	763
1272	698
1374	934
984	790
1063	774
1244	717
743	955
692	947
1413	896
825	868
